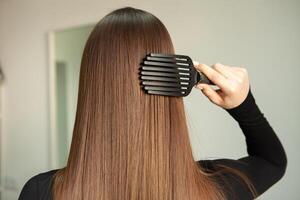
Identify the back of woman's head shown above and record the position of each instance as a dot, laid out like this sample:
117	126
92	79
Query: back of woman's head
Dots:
127	144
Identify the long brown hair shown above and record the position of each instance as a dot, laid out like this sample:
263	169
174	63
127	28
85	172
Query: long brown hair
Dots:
128	145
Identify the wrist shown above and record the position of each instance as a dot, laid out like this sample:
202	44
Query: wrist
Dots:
247	110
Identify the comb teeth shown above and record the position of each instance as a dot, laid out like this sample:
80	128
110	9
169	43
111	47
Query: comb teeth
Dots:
184	66
162	69
177	75
179	94
167	74
172	56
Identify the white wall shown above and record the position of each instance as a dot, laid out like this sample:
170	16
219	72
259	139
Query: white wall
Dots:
261	35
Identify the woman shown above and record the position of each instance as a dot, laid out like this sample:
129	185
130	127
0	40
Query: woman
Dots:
130	145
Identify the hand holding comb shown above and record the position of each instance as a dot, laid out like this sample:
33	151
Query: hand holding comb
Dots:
170	74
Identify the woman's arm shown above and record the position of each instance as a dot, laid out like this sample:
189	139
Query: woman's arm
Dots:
261	139
266	161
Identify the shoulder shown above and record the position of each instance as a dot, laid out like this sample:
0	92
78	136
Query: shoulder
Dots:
239	177
228	174
37	186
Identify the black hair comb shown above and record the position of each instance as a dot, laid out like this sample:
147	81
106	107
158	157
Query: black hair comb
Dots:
170	74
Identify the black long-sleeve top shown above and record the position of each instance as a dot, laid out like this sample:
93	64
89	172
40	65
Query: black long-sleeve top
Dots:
266	161
264	166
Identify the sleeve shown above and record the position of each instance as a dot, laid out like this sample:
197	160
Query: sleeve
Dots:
266	161
30	190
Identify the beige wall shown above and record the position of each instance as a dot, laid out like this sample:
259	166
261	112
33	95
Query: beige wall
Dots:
261	35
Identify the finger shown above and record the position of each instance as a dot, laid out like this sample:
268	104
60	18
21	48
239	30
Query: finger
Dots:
214	76
210	93
224	70
236	71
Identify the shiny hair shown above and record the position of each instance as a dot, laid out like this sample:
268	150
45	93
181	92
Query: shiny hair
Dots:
126	144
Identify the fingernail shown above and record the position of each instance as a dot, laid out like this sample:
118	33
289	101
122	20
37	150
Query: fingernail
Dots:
200	86
196	63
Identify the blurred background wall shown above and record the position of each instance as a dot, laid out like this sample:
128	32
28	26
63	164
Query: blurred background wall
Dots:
262	36
68	49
